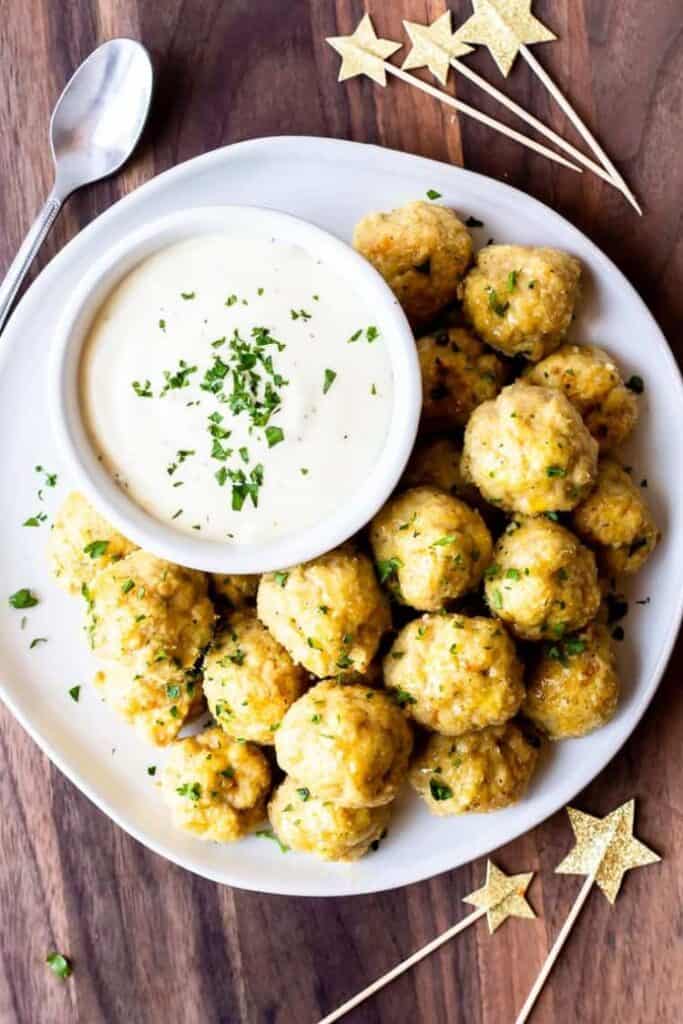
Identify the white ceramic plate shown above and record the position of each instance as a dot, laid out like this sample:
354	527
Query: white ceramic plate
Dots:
332	184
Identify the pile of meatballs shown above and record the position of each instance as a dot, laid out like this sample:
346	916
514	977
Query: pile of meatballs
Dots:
443	645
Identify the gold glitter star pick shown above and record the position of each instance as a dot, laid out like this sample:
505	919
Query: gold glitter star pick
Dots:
434	46
606	847
505	26
605	850
508	28
363	53
502	896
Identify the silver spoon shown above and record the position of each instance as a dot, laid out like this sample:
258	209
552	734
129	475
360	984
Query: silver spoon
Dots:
94	128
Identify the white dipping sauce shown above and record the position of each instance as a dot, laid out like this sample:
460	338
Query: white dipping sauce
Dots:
222	391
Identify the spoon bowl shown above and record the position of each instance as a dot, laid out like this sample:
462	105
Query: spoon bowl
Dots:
94	128
99	117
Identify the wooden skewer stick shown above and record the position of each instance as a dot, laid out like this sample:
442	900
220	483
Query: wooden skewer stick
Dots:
465	108
465	70
579	125
557	947
404	966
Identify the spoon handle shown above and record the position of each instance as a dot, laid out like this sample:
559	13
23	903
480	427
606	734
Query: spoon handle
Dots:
24	258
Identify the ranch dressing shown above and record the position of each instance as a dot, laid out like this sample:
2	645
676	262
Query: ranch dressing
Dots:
236	388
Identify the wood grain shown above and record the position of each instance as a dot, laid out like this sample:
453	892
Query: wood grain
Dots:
150	942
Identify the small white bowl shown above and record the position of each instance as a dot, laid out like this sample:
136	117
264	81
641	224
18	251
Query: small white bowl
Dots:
90	476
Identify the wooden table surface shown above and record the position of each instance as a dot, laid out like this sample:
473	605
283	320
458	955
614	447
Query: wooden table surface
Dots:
150	942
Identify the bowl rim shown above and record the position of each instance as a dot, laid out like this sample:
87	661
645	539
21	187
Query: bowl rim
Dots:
122	511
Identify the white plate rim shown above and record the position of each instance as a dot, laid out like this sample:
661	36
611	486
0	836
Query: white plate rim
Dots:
566	793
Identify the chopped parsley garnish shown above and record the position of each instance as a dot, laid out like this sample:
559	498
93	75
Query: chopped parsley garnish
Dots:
281	578
23	598
433	194
36	641
192	790
635	384
512	280
304	793
372	334
267	833
439	790
179	379
162	325
151	769
355	336
472	222
127	585
177	514
59	965
35	520
299	314
274	435
448	538
499	308
75	693
244	486
388	567
402	697
142	390
96	548
330	377
556	471
188	295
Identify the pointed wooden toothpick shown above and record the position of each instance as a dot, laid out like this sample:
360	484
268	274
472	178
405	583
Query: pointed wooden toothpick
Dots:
501	896
508	28
363	53
605	850
438	48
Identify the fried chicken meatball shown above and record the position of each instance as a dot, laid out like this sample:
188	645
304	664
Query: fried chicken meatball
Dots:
574	687
149	615
305	823
593	384
234	591
520	299
81	543
215	787
480	771
455	673
421	250
529	451
458	374
437	464
250	680
346	743
156	705
429	547
543	582
329	614
616	520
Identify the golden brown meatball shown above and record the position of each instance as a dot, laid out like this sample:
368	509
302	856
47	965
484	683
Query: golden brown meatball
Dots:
458	374
574	687
250	680
421	250
329	614
149	615
346	743
156	705
81	543
437	464
453	673
215	787
304	822
528	451
593	384
429	547
543	582
616	519
234	591
521	299
480	771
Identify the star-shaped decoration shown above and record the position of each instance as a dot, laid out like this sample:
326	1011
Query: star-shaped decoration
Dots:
363	53
502	896
504	26
434	46
607	847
